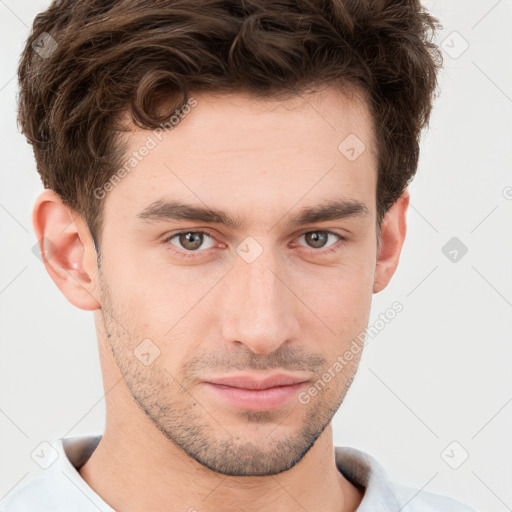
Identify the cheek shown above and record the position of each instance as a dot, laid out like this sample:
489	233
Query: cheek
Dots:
341	290
136	308
341	298
342	306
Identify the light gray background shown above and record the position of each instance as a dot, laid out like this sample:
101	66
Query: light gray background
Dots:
438	373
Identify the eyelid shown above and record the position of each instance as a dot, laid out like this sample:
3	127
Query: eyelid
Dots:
327	231
166	240
341	239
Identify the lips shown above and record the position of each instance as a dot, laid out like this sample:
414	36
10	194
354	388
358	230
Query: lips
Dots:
249	382
250	393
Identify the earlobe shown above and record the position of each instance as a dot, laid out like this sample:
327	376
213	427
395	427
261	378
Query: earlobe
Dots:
394	227
67	250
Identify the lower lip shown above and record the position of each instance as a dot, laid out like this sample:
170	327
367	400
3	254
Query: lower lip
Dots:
257	399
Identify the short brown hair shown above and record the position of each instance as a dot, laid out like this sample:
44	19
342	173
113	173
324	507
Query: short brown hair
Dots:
88	61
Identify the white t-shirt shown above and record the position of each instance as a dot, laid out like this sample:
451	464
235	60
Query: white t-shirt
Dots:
60	488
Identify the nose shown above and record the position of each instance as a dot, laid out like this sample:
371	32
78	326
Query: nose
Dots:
258	309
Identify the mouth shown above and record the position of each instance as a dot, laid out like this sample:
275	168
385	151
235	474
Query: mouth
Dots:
250	393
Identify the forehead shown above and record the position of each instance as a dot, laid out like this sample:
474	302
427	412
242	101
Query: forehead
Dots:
234	150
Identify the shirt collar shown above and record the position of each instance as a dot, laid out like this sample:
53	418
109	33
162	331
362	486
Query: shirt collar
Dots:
358	467
363	470
61	484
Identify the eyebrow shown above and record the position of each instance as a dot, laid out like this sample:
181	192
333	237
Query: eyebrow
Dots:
162	210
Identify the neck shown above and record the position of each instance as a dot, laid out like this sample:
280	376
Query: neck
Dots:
135	468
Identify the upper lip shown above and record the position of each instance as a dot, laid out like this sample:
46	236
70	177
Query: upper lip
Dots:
250	382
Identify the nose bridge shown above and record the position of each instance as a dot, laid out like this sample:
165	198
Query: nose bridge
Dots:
258	309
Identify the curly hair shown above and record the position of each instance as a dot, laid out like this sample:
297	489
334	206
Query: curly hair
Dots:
86	62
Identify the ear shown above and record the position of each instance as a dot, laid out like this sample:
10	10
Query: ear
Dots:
392	238
67	250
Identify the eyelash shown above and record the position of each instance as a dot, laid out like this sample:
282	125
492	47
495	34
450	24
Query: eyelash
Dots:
191	254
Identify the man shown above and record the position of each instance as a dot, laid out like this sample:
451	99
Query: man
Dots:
226	187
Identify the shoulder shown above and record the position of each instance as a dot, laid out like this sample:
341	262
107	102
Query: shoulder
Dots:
417	500
53	492
381	494
32	496
59	487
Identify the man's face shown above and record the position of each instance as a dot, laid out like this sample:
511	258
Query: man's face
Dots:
267	296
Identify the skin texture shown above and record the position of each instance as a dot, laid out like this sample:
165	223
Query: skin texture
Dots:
170	443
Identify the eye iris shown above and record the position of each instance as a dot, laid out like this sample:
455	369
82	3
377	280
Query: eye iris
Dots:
316	239
191	240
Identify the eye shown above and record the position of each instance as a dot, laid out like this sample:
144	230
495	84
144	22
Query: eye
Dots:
190	241
318	240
